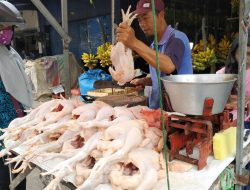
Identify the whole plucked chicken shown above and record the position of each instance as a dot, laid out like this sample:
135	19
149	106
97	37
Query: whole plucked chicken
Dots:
122	58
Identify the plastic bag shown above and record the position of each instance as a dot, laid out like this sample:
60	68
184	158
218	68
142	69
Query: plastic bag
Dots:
227	179
87	79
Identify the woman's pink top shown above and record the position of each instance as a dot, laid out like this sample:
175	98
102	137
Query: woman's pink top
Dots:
247	88
222	71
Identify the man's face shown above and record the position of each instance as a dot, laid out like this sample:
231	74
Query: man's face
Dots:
146	23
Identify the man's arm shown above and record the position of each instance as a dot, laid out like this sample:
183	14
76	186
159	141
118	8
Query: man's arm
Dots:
126	35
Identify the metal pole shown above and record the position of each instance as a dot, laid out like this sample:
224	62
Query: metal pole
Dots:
243	34
113	20
39	5
63	32
66	67
203	31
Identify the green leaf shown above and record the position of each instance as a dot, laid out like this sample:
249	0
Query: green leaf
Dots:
91	2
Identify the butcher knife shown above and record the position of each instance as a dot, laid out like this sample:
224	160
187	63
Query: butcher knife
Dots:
100	84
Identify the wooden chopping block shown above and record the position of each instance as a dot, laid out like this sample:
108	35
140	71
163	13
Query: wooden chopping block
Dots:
121	100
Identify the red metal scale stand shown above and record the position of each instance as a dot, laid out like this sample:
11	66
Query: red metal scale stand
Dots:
195	131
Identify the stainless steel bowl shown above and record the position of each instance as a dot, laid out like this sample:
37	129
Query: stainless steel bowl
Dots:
187	93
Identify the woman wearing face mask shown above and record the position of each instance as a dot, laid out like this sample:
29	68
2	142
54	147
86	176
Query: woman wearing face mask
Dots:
15	91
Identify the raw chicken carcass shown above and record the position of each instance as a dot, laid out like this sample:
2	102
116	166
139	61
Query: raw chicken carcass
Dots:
60	135
88	112
16	127
153	117
130	132
116	114
122	58
141	171
103	187
64	168
69	149
152	138
136	110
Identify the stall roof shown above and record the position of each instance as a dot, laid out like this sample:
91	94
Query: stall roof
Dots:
23	4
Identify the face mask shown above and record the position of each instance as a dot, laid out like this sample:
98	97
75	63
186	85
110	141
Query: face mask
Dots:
6	36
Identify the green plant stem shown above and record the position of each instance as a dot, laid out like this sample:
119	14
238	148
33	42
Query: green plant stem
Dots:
164	133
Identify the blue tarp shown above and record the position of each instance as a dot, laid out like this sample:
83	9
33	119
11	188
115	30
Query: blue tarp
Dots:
87	79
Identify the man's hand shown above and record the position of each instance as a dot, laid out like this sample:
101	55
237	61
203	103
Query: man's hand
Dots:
126	35
140	83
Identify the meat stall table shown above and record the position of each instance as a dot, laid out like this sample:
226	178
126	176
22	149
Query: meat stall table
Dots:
42	166
204	179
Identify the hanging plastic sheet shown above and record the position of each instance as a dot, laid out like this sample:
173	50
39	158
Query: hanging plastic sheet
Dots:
87	79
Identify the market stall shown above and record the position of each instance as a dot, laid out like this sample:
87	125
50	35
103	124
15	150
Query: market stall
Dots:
98	146
92	149
205	180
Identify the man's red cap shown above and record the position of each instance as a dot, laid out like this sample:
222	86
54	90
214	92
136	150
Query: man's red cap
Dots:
144	6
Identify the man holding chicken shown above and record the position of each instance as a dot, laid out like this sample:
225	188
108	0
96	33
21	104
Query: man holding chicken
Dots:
173	45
